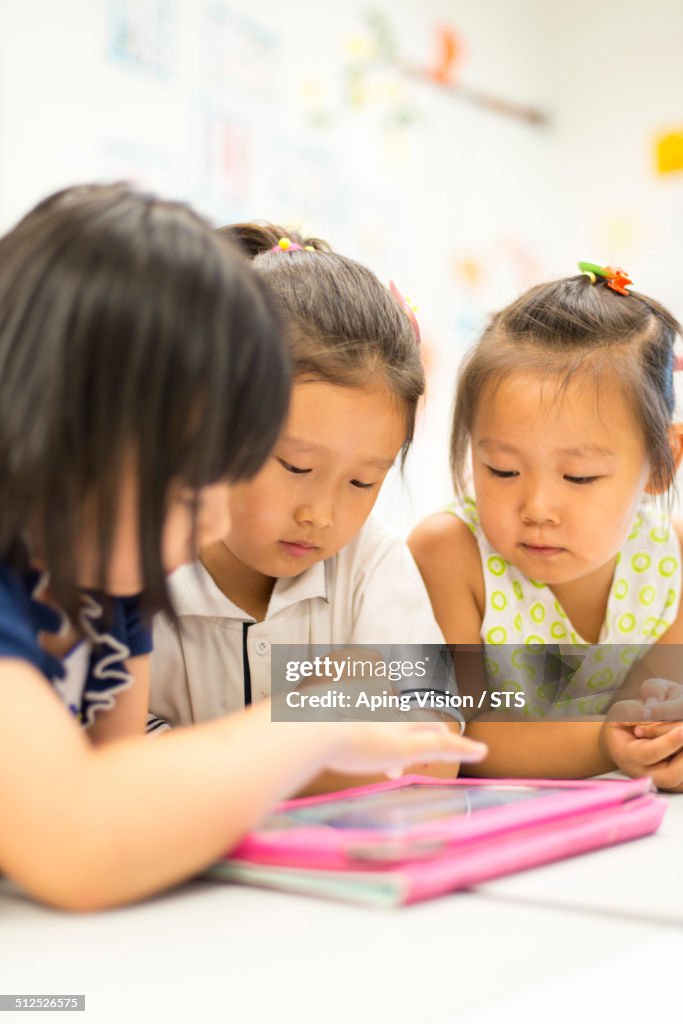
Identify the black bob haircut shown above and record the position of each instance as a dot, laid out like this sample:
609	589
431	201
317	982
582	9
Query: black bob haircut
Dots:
128	330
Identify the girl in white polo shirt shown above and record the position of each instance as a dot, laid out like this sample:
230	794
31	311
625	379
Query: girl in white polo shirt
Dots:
303	563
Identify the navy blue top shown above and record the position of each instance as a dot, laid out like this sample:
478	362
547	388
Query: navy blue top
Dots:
112	637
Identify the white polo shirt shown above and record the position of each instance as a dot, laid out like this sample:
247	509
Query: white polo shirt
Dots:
217	658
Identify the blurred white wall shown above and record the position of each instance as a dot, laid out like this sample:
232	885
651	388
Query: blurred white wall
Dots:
279	111
614	77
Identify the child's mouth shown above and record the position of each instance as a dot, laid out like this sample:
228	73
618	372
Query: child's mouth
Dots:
298	549
542	550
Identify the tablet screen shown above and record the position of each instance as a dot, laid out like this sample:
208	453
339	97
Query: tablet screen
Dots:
404	807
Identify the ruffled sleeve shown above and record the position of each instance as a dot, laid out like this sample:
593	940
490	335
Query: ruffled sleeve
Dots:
137	628
22	618
116	634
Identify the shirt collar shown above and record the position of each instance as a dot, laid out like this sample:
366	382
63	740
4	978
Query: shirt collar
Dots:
193	592
290	590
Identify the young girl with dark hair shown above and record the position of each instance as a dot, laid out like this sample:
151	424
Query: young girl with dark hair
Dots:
566	406
303	563
142	375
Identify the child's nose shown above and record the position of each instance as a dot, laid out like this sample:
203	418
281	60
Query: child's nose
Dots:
539	506
318	513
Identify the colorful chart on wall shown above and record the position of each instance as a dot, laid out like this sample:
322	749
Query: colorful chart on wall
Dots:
141	32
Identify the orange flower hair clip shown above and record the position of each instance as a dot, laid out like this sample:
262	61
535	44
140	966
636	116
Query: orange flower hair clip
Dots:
617	279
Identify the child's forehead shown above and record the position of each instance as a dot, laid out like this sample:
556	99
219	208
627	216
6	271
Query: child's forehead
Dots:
318	404
330	420
586	414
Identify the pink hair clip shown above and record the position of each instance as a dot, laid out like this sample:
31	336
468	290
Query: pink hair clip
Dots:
410	309
286	245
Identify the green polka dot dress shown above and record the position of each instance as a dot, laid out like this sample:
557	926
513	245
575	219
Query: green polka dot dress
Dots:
523	617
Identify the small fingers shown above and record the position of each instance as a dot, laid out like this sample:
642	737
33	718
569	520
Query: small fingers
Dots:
649	752
654	690
438	741
669	775
663	711
650	730
627	711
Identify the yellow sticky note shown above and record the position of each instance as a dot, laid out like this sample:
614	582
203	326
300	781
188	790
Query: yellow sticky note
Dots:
670	152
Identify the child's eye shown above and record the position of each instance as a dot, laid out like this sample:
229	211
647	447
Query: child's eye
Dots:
358	483
504	474
292	469
581	479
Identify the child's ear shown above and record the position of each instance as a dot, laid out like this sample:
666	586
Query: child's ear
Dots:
676	442
676	445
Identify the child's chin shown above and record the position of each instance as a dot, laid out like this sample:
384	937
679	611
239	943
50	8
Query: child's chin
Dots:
542	571
288	570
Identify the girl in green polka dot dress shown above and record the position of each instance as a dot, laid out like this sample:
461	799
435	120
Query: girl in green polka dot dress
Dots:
561	534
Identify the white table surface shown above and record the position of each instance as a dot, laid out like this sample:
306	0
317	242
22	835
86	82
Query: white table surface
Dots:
637	881
596	937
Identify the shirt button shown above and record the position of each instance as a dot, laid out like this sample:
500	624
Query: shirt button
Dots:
261	646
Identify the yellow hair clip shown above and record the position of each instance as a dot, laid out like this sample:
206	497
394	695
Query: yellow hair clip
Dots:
287	245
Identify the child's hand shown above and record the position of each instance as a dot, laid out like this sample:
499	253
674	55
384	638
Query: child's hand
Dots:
658	756
364	747
662	700
627	712
662	708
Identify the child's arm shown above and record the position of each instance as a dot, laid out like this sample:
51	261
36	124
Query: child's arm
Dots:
86	828
653	693
552	750
448	557
128	717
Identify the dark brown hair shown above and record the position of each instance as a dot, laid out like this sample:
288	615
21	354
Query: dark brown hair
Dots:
126	328
344	327
572	327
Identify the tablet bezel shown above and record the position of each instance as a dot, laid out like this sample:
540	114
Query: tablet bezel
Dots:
319	845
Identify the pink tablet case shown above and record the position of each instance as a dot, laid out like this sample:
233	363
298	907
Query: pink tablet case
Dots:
454	853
